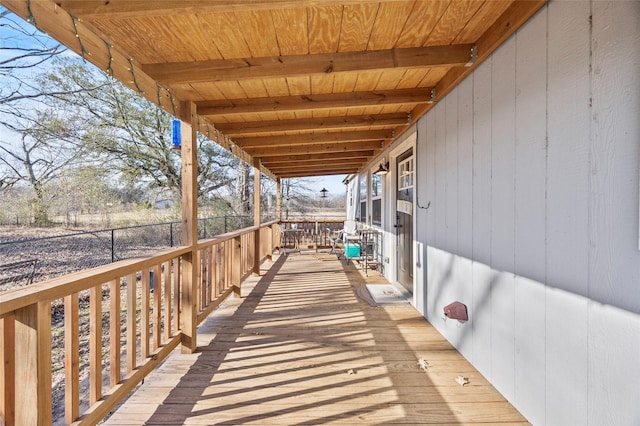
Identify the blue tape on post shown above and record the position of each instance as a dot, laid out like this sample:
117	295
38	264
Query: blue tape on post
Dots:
176	137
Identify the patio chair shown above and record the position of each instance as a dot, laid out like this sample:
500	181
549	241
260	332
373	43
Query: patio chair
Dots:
335	241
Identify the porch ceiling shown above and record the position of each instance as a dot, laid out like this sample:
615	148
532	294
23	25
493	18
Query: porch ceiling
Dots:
308	87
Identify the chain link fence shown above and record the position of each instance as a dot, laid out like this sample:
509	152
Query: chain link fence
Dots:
25	261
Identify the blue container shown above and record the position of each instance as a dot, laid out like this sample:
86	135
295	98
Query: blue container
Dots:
176	134
351	250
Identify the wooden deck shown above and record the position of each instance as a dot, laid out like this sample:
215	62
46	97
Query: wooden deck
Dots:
302	348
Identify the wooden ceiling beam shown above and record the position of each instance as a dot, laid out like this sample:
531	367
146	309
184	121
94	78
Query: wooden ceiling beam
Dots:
314	138
314	149
310	163
310	102
333	156
310	124
294	166
346	171
309	65
95	9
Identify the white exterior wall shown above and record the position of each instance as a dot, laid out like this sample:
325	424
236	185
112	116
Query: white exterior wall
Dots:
532	169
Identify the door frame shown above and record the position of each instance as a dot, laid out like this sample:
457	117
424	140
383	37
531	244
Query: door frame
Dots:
407	141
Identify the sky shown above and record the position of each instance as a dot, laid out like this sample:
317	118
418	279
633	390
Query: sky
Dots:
333	184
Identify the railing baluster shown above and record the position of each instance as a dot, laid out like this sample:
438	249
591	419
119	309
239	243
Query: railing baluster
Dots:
177	277
71	359
166	281
214	270
210	267
203	273
132	332
114	333
95	344
236	265
7	369
144	314
157	306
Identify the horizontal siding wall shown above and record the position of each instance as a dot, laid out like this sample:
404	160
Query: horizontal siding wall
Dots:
532	167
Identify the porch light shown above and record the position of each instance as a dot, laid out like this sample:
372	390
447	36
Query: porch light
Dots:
323	192
383	169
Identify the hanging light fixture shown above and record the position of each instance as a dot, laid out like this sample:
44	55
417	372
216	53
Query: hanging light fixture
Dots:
323	192
383	169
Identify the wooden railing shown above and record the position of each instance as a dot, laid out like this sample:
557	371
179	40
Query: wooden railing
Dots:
314	232
114	324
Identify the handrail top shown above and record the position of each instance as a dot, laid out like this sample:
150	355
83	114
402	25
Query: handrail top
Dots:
312	220
233	234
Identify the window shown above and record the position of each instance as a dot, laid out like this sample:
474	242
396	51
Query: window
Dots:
363	199
376	200
405	174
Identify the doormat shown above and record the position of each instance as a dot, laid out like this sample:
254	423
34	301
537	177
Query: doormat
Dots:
382	295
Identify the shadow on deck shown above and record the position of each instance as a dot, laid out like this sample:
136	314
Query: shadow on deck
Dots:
302	348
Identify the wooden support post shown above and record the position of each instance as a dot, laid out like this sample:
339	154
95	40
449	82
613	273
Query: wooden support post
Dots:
7	370
236	265
256	217
189	226
33	365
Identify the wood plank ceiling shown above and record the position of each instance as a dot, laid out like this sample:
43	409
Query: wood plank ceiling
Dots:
309	88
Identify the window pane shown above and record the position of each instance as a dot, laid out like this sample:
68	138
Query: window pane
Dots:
376	186
376	212
363	187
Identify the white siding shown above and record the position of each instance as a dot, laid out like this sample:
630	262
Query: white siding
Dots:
532	169
567	213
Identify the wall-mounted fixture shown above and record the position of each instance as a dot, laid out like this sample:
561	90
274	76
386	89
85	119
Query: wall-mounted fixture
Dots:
323	192
383	169
456	310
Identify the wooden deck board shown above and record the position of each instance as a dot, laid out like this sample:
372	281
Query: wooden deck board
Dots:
302	348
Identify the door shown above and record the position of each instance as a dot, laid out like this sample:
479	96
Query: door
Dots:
404	219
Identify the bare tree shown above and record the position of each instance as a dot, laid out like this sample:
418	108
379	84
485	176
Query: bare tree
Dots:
48	146
132	134
23	50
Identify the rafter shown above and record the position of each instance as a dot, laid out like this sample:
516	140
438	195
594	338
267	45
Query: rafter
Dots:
326	172
314	149
306	163
314	138
308	102
309	65
310	124
332	156
304	167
